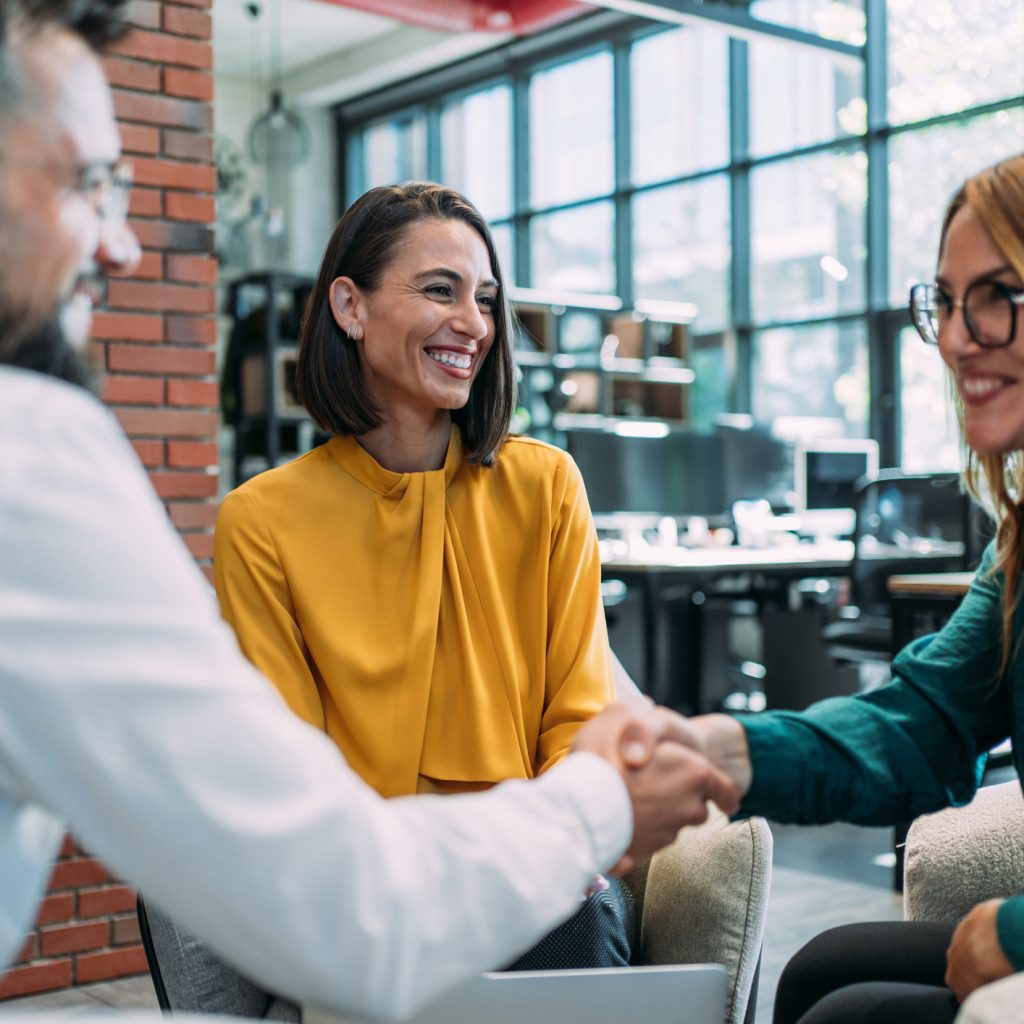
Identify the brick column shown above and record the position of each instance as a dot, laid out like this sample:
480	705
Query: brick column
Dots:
157	335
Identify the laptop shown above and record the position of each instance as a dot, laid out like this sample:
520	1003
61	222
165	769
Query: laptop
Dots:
676	994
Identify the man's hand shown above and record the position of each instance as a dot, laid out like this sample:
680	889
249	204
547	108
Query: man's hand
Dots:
974	957
721	739
671	784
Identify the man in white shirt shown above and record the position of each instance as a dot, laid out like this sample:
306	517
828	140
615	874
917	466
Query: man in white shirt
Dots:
126	709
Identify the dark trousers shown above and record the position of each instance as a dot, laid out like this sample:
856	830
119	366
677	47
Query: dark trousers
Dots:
885	973
599	934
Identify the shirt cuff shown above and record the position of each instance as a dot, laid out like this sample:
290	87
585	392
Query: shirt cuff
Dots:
1010	930
598	794
769	775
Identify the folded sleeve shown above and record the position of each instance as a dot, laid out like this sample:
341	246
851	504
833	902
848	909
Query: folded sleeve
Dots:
1010	930
908	748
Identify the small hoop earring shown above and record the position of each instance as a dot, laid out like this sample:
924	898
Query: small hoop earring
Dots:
354	333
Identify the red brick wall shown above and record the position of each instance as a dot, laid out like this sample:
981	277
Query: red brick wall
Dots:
157	337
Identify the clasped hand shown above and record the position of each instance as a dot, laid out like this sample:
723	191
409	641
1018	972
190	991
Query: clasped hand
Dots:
666	762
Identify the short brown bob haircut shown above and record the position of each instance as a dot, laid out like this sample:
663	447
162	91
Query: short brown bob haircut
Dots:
329	376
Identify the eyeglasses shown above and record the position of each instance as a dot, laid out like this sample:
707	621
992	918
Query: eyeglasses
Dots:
989	309
106	185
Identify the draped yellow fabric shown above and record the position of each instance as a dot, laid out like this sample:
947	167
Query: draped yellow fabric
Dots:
445	628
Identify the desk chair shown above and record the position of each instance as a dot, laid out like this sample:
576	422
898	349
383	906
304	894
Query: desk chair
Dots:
904	523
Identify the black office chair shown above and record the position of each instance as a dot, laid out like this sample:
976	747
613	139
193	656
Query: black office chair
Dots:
905	523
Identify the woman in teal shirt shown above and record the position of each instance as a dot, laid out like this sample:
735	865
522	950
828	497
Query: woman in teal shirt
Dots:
920	743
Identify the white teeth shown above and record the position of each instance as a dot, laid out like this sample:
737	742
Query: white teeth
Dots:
980	385
451	359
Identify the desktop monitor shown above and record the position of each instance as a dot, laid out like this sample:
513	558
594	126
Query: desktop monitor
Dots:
671	472
825	477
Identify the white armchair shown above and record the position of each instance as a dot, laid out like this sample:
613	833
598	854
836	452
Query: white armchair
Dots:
958	858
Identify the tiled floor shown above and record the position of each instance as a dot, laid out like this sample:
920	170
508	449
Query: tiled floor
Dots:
125	994
822	877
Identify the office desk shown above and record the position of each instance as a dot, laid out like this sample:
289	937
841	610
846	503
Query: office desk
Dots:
911	597
657	570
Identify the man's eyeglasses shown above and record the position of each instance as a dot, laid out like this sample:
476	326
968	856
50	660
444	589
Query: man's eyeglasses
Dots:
989	309
105	184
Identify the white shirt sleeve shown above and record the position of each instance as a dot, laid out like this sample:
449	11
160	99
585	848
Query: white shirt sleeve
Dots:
127	709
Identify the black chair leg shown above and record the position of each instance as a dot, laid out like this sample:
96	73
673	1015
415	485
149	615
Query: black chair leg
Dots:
154	966
751	1014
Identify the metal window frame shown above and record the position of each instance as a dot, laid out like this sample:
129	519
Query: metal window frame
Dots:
606	30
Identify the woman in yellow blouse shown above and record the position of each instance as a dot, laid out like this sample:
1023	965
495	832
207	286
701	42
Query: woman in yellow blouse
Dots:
424	587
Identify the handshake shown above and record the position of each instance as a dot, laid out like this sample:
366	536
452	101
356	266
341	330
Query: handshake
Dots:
671	765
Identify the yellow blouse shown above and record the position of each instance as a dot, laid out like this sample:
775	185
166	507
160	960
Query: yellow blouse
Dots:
445	628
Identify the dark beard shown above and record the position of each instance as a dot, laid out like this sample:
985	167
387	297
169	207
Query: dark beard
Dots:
44	349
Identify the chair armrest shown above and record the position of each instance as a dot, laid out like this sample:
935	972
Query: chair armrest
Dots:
704	899
961	856
996	1003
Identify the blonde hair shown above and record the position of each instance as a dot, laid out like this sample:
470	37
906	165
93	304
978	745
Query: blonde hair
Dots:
996	196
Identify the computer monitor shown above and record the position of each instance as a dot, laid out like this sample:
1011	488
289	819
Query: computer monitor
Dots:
825	476
755	463
670	472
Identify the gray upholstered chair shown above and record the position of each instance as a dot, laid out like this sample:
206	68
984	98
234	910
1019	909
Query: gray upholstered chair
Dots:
704	899
960	857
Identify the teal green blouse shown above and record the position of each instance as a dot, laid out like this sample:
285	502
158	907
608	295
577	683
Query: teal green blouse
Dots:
909	748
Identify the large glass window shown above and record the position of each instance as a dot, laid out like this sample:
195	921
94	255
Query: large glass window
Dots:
950	55
476	149
572	250
734	178
395	151
799	97
679	103
815	370
928	420
925	168
808	236
571	131
842	20
681	249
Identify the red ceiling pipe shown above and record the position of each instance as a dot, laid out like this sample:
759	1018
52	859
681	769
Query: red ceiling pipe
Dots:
522	17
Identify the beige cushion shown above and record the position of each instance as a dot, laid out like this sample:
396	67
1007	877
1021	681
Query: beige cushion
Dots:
705	899
961	856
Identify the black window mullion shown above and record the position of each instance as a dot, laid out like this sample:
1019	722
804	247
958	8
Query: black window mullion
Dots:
740	223
622	116
883	353
521	179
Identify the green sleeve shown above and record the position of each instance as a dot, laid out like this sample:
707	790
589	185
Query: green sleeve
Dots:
1010	930
905	749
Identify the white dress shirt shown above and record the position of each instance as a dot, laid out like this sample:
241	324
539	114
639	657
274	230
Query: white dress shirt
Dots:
127	711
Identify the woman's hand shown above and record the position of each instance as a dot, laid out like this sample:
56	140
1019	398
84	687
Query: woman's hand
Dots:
668	782
719	738
974	957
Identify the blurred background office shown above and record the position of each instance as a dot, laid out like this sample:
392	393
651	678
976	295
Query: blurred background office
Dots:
711	213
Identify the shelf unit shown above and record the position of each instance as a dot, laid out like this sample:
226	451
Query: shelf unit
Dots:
584	356
268	423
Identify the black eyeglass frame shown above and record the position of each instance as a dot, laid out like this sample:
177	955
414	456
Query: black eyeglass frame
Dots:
923	325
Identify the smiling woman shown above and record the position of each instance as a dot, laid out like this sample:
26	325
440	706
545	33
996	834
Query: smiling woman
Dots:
922	742
423	587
